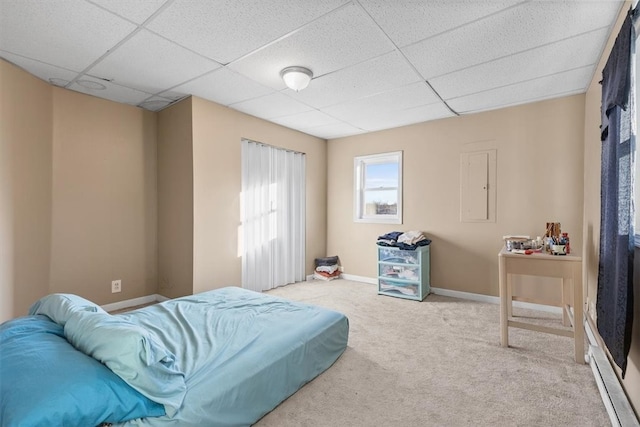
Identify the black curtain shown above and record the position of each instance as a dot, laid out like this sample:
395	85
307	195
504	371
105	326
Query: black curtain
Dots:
614	304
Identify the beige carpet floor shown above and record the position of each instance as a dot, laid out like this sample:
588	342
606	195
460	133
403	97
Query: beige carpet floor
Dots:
438	363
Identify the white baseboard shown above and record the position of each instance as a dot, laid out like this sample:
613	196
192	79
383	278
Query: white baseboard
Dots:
359	278
134	302
465	295
613	396
495	300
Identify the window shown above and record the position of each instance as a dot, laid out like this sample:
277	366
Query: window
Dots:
378	188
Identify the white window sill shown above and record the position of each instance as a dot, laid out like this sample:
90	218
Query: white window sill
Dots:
378	220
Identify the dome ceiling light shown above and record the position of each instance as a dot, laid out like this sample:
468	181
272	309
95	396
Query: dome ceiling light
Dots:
296	78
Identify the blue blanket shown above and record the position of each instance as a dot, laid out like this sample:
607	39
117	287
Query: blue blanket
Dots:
241	352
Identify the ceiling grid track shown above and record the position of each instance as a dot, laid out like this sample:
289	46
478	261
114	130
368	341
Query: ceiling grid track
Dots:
398	50
376	64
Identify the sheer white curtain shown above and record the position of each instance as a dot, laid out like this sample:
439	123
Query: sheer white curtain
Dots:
272	215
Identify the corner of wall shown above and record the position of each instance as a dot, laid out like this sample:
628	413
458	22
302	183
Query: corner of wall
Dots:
25	189
175	199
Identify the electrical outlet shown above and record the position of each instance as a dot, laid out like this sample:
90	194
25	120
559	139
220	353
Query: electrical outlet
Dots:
116	286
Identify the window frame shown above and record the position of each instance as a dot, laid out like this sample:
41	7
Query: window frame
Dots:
359	181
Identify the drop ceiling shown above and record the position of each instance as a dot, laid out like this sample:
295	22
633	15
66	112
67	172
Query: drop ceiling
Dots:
377	64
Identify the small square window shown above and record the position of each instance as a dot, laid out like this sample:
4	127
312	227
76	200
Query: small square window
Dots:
378	188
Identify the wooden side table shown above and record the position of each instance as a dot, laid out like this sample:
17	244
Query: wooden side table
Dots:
566	267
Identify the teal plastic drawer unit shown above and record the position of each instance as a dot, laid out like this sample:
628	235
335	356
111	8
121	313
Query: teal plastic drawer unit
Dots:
402	273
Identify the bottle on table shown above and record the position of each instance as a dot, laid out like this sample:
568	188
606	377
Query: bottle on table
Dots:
565	240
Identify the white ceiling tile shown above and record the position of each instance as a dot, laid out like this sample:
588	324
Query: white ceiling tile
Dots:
397	118
478	55
271	106
224	87
151	63
112	91
225	30
305	120
335	41
401	98
563	84
70	34
409	22
378	75
550	59
49	73
173	95
136	11
516	29
155	103
337	130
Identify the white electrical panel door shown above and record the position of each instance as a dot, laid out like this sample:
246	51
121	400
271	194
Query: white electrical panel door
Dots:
477	186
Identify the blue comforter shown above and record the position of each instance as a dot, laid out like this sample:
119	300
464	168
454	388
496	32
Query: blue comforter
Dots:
241	352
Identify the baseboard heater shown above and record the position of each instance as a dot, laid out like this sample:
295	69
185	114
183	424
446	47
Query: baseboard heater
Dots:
613	396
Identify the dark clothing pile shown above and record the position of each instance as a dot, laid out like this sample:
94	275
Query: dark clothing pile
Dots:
409	240
327	268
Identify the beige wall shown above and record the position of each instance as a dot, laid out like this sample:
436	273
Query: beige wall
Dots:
6	197
104	198
86	195
175	200
25	189
539	179
199	183
78	195
94	191
217	132
592	157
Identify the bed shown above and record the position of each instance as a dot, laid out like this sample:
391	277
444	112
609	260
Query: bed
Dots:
220	358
